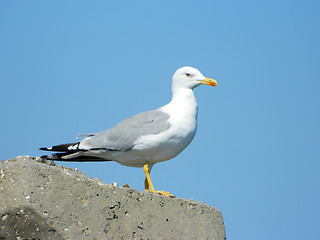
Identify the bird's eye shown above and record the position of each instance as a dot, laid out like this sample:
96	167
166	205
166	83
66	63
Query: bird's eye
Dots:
188	74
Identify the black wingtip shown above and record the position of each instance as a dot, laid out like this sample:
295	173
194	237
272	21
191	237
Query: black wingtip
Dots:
62	148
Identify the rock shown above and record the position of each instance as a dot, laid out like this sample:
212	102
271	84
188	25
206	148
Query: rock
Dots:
39	200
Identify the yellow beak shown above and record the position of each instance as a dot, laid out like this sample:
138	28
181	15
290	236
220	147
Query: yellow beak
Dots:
210	82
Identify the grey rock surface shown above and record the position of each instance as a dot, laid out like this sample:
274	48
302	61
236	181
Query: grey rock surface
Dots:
39	200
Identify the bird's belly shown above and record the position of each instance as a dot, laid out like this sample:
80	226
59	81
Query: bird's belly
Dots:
162	147
156	148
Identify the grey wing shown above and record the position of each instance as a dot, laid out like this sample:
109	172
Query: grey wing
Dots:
85	135
122	136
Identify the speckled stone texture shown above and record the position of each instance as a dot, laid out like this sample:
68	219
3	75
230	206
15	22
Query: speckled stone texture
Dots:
39	200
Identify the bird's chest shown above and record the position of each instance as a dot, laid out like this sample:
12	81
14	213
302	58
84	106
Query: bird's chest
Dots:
183	129
178	137
183	125
170	143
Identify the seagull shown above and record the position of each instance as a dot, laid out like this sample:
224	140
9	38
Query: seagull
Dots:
146	138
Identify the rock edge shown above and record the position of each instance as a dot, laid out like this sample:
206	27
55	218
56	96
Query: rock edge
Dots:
39	200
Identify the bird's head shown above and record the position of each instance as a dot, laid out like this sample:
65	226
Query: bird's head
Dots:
189	77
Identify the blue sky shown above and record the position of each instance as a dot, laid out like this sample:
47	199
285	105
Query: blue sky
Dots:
82	66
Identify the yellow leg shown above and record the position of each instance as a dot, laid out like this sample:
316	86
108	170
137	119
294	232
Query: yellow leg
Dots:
148	183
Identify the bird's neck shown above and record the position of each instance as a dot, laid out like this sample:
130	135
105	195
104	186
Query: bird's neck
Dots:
183	95
183	103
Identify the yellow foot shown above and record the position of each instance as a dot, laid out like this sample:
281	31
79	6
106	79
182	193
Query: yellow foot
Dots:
148	183
165	193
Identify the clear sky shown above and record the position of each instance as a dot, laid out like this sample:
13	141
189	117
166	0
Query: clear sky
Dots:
72	67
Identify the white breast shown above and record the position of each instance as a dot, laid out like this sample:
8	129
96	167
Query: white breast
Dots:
183	119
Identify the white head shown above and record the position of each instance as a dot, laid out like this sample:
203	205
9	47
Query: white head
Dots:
189	77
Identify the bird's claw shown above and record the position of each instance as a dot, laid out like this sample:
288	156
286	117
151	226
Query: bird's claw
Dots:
165	193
